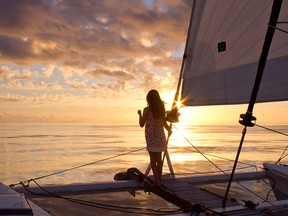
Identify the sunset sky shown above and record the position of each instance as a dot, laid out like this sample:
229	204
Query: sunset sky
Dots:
95	61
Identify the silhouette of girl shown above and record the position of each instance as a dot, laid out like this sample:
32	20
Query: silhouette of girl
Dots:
154	120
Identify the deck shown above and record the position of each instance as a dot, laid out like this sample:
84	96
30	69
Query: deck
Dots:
211	201
187	192
184	193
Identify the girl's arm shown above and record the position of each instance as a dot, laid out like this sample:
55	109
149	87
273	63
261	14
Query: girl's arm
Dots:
142	118
167	127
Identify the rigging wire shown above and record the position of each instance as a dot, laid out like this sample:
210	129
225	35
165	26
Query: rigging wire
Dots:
282	155
280	29
246	188
80	166
199	151
126	153
266	128
112	157
219	157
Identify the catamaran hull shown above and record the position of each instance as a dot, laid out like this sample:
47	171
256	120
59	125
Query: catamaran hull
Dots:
278	178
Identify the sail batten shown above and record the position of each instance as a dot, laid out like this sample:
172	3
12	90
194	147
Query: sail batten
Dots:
223	51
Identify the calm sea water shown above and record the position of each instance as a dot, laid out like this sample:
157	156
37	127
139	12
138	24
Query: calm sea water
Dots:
96	152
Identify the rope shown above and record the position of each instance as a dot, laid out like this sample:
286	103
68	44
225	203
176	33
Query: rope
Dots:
275	131
272	187
282	155
127	209
77	167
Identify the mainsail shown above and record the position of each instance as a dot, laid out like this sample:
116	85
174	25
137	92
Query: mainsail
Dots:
222	52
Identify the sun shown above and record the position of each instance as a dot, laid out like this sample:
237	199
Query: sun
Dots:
191	114
168	98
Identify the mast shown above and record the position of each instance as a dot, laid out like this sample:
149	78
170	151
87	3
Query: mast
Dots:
248	117
184	57
172	116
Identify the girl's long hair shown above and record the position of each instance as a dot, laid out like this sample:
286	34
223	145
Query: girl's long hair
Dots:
155	103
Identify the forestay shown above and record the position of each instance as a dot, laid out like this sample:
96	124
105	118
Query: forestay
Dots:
223	49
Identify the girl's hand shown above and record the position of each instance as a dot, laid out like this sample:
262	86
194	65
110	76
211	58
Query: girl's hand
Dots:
169	132
139	112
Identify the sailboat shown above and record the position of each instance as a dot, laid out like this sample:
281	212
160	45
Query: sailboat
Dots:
236	53
235	62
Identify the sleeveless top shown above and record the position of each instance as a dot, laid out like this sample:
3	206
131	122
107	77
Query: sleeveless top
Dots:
154	134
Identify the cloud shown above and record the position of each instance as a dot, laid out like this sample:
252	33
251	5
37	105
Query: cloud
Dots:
25	75
18	14
47	71
14	49
67	52
34	117
12	98
76	84
88	31
27	78
121	75
47	85
6	73
42	99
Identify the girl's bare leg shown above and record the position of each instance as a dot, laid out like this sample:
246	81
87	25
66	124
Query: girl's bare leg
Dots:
159	165
154	166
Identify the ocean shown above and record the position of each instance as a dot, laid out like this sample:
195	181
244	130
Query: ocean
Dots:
79	153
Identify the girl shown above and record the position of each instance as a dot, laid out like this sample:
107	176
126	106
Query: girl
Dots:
154	120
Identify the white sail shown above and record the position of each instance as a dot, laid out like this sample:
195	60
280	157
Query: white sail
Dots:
223	50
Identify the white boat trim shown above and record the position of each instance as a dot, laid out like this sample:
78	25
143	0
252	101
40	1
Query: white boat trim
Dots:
13	203
278	178
221	178
74	188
